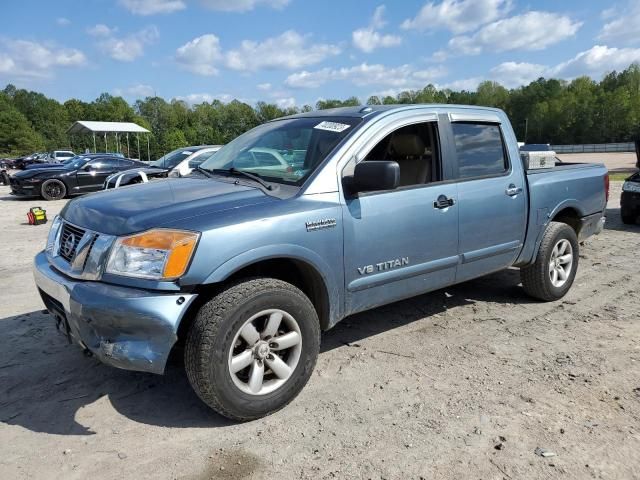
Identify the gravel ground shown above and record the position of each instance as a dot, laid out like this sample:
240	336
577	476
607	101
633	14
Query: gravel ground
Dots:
465	382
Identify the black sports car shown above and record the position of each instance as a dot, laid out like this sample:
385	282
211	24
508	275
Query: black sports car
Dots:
84	174
630	199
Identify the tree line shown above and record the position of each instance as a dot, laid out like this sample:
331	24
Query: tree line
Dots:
544	111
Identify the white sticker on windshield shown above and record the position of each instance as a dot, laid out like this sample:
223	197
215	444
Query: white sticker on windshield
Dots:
332	126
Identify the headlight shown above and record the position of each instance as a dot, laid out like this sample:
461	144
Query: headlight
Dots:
157	254
631	187
53	234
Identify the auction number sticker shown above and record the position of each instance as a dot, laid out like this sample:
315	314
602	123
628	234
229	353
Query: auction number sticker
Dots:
332	126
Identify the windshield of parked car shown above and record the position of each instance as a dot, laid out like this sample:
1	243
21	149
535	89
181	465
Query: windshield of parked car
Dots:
284	151
172	159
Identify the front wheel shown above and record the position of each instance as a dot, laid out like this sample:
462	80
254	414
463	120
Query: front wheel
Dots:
252	348
53	190
552	274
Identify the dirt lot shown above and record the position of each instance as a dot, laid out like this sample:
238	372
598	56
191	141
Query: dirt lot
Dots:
461	383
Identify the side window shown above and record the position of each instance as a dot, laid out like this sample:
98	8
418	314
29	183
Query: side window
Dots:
480	149
105	164
415	148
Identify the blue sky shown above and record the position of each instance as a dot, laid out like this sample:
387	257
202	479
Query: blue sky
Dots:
298	51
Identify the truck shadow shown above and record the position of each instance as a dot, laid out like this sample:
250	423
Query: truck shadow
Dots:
614	222
47	384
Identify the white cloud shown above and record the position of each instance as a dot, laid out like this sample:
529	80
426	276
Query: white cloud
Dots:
290	50
200	55
468	84
242	5
264	86
368	39
23	58
101	30
63	22
623	29
152	7
404	76
138	91
129	47
597	61
197	98
529	31
594	62
203	55
286	102
513	74
458	16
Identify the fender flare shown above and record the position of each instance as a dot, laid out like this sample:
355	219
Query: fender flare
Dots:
569	203
286	251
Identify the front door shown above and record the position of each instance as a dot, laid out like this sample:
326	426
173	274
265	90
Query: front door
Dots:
402	242
92	176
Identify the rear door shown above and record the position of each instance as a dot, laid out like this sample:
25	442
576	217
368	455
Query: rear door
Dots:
491	197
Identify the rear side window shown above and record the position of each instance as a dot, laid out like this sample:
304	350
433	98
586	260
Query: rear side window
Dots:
480	149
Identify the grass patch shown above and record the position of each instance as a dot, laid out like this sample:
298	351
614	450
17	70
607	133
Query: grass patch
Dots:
618	177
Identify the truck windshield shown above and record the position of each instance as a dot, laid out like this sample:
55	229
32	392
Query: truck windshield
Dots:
284	151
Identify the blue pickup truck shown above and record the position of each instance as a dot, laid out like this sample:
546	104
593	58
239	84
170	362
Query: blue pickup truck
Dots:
244	262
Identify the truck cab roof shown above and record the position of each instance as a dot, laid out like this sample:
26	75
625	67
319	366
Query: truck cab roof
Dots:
370	111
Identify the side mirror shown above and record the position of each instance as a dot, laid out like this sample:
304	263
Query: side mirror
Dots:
87	168
375	175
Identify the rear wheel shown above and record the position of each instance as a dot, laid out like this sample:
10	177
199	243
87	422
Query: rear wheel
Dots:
53	190
627	217
552	274
252	348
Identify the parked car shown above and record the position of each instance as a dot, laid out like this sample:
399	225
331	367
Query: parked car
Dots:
34	166
187	164
134	176
7	163
84	174
630	199
58	156
22	162
246	266
171	159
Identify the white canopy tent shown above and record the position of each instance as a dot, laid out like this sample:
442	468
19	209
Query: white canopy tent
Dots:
117	128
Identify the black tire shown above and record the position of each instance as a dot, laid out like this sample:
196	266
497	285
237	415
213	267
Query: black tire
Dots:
536	279
53	190
214	329
627	218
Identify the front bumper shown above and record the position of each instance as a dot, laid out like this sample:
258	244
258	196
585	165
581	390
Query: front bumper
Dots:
124	327
21	189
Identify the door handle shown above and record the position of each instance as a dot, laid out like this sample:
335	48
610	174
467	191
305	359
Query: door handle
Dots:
512	190
443	202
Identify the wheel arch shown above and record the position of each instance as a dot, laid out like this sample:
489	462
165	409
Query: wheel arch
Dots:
311	275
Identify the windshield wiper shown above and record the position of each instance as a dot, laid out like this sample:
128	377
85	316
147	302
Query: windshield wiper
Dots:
242	173
204	171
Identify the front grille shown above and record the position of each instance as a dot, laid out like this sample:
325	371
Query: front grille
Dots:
69	239
89	248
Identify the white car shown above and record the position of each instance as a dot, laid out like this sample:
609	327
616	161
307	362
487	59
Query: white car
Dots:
58	156
191	159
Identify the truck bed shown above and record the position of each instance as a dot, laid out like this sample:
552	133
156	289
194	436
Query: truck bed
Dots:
573	188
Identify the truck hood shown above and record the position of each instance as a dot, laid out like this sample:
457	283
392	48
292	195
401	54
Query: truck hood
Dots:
141	207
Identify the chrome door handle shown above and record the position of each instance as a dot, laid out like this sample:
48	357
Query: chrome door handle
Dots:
512	190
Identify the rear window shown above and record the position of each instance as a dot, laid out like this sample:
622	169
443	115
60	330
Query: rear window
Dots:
480	150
